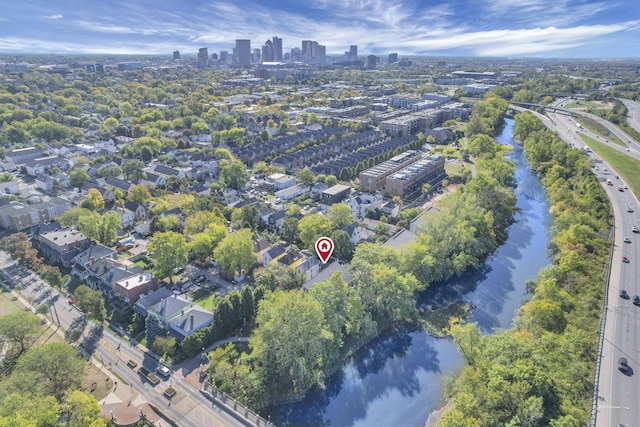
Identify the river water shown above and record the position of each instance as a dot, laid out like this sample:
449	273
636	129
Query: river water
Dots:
397	380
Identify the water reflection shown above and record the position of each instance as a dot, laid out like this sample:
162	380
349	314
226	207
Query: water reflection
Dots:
397	379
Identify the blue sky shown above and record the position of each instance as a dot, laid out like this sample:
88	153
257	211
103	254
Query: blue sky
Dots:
538	28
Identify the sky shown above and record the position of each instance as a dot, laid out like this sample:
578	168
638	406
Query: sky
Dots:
483	28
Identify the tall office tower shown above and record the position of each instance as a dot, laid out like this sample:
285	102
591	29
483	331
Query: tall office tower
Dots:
353	51
393	58
267	51
176	54
306	50
214	56
224	56
256	56
296	54
277	48
243	51
203	56
318	53
371	61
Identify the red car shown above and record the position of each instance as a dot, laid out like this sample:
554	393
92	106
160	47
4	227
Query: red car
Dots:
625	259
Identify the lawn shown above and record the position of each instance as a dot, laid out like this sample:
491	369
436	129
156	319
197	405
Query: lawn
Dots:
600	129
8	303
627	167
204	298
588	104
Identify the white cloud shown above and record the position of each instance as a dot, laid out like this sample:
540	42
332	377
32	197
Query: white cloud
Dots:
56	16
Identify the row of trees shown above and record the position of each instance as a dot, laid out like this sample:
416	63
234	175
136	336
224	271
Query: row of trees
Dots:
41	385
18	246
540	372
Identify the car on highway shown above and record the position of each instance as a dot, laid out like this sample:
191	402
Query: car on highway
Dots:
626	187
625	259
629	209
163	370
623	365
636	300
626	239
624	294
620	188
635	229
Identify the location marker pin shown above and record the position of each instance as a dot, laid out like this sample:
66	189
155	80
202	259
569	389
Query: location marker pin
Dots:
324	248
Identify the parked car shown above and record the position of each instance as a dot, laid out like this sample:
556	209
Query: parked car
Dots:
624	294
623	365
201	278
163	370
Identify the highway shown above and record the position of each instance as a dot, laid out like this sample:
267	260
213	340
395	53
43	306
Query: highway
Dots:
617	392
633	116
194	409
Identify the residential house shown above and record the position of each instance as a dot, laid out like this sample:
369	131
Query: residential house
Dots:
149	299
127	217
280	181
61	246
93	262
130	289
276	220
20	156
18	216
120	184
335	194
42	165
292	192
273	254
310	267
11	187
361	202
356	233
153	180
139	210
108	195
190	321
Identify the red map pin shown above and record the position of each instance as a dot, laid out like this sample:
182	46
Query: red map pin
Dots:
324	248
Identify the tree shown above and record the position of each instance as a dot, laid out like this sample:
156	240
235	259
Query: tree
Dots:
199	221
91	302
305	176
247	216
82	410
331	180
290	229
277	276
342	245
235	253
94	200
313	227
133	170
21	328
469	341
292	356
138	194
153	328
78	177
109	170
17	409
233	174
164	346
103	228
169	251
53	368
340	214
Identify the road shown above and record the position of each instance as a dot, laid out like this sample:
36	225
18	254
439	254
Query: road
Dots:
617	393
633	115
194	410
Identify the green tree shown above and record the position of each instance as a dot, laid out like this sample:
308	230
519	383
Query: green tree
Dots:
342	245
103	228
82	410
52	368
233	174
78	177
290	229
169	250
199	221
235	253
94	200
277	276
164	345
90	302
292	356
469	341
331	180
305	176
340	214
247	216
138	194
133	170
19	409
21	329
313	227
109	170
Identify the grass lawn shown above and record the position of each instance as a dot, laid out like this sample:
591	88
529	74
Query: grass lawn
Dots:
588	104
600	129
204	298
95	381
628	167
9	304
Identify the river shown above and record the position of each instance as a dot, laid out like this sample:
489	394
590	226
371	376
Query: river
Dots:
398	379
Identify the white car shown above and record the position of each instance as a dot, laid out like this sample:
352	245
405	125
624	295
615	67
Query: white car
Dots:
626	239
635	229
163	370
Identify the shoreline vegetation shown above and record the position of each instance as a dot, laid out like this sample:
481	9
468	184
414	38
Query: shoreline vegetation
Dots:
522	376
300	337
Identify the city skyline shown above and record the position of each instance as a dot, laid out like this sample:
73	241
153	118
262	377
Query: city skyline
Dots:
520	28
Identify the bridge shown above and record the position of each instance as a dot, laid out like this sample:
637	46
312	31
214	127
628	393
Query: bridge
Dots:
545	107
